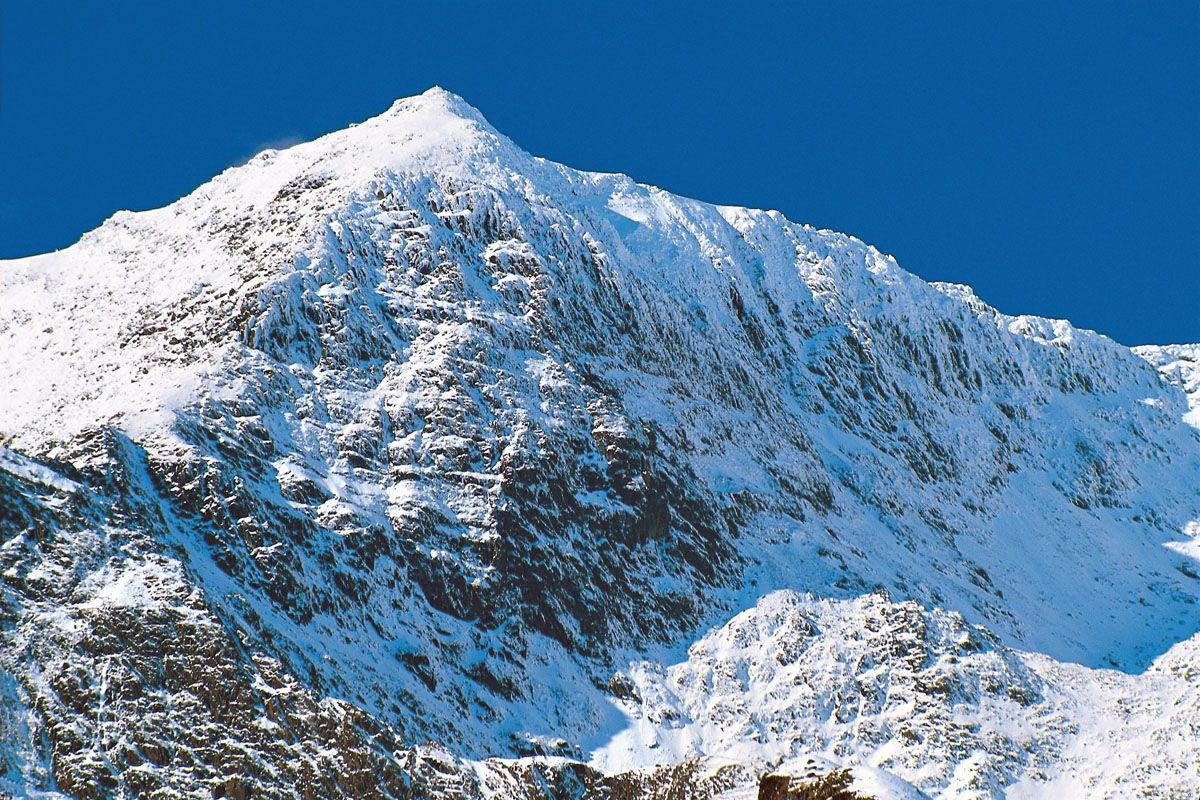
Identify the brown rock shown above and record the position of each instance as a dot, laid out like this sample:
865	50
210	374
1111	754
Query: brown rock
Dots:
773	787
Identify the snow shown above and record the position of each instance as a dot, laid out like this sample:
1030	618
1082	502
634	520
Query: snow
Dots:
133	585
18	464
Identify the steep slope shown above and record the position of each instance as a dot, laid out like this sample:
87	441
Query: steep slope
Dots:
451	434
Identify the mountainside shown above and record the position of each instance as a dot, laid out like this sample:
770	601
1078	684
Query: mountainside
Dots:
404	463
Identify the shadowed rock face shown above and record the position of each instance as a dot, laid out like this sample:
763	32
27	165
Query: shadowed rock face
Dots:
122	679
415	437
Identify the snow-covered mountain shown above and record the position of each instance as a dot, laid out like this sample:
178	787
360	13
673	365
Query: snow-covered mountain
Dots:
403	462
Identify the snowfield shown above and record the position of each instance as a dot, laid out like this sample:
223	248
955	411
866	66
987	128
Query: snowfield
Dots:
405	463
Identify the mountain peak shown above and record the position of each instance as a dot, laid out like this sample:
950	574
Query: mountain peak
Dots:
439	115
436	101
404	433
435	132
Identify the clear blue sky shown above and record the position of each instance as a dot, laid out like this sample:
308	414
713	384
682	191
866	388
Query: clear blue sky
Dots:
1047	154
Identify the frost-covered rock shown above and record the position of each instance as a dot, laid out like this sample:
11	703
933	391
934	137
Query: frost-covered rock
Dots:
446	435
916	694
1179	364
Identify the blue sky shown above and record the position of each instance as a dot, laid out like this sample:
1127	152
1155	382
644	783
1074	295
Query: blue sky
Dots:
1047	154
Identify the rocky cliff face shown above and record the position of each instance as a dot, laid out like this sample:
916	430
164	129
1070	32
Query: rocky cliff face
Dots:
406	436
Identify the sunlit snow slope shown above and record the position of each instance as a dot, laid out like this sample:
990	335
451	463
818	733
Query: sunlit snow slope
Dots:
448	443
